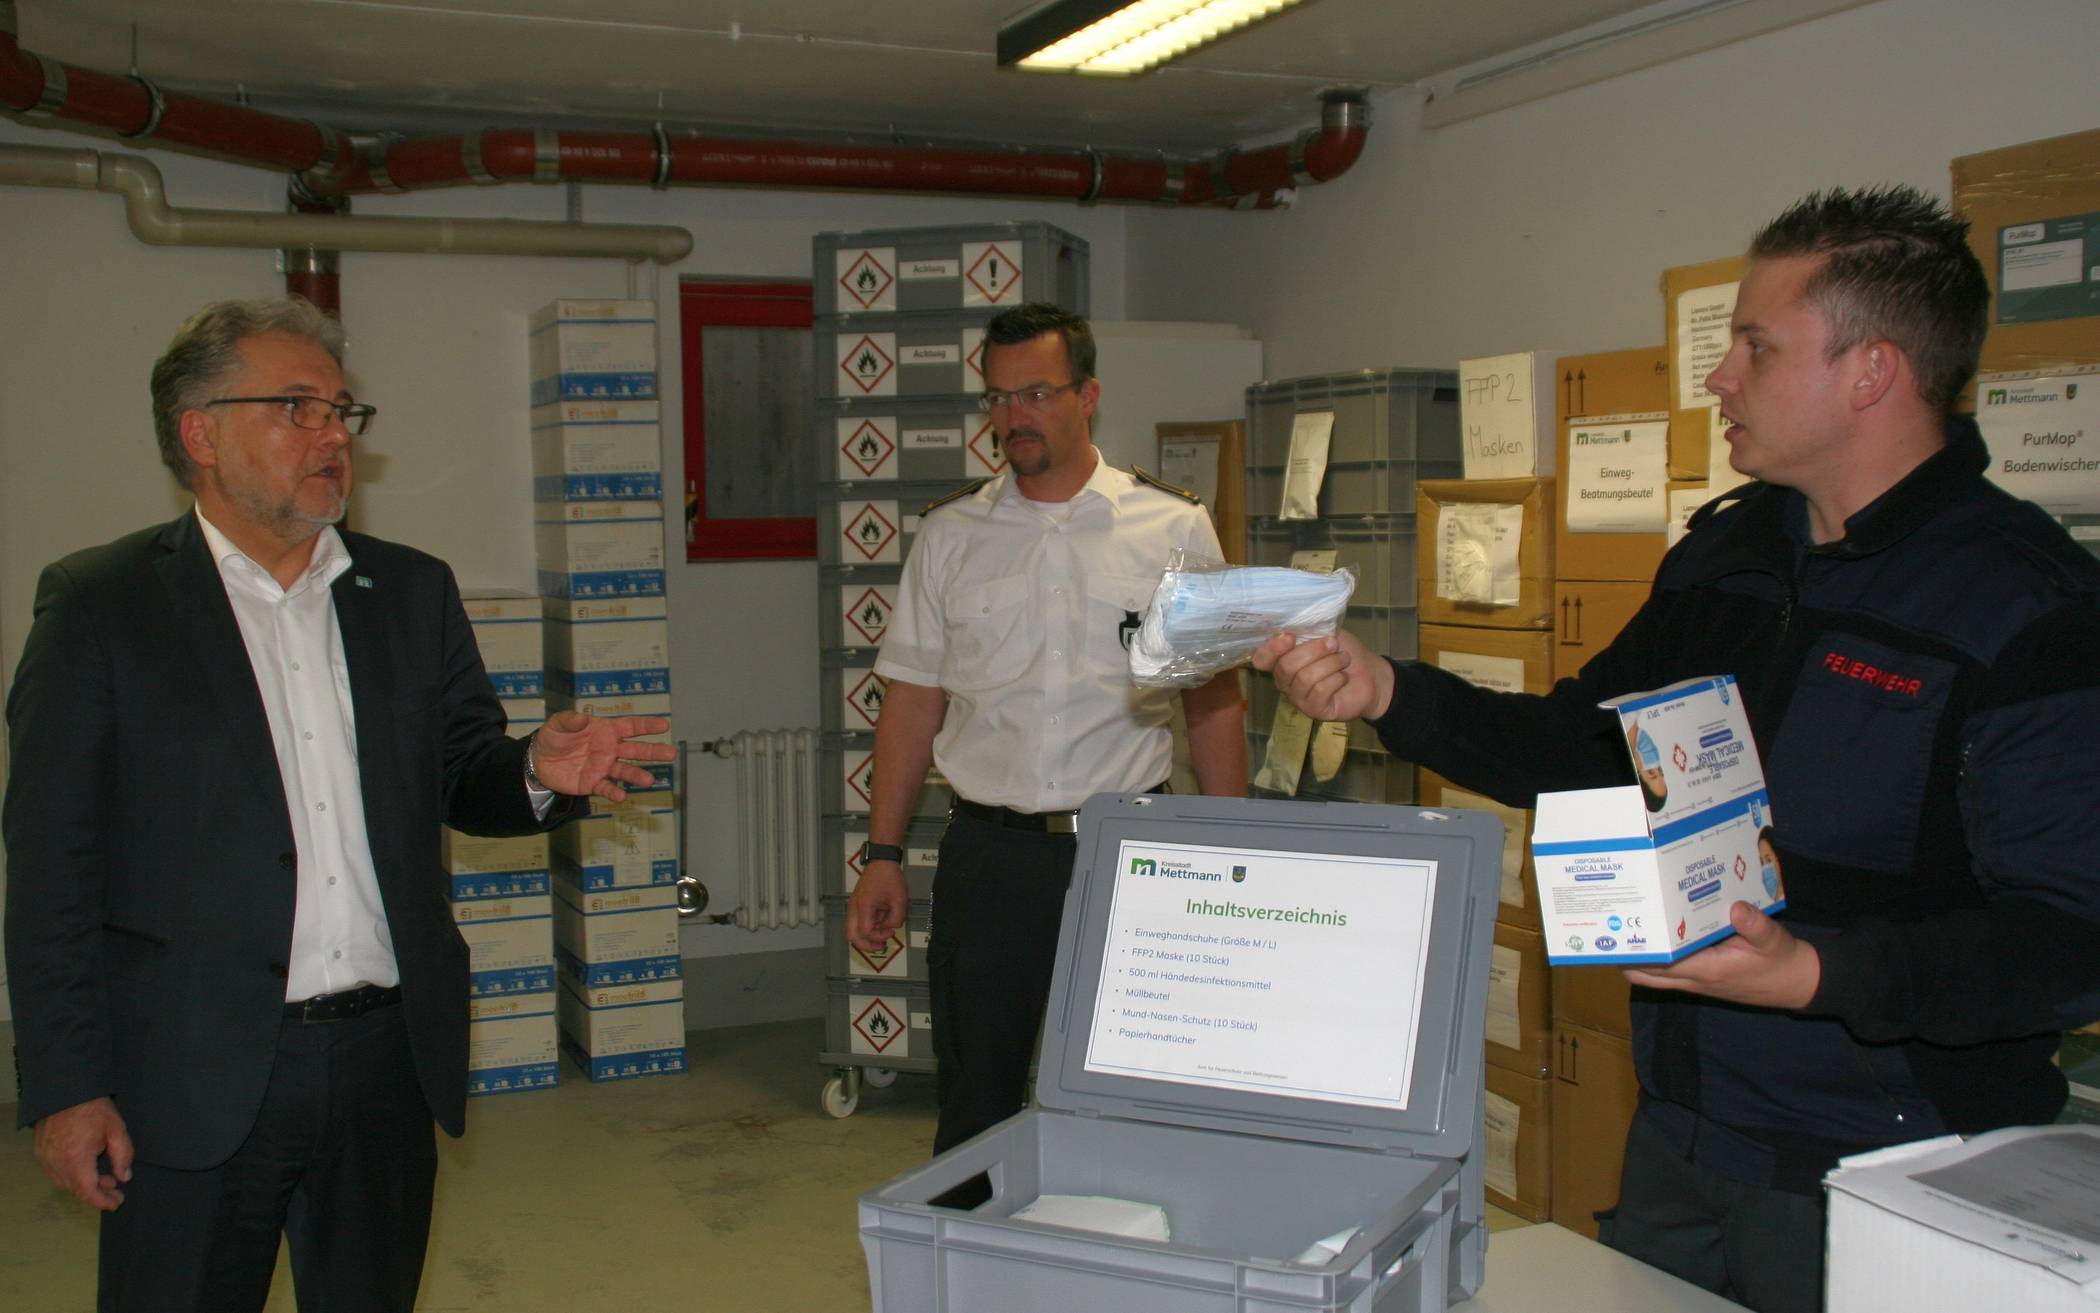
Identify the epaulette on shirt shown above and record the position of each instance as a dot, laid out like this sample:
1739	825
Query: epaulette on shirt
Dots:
1150	481
957	495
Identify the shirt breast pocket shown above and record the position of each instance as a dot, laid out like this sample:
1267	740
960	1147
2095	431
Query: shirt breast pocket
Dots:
987	636
1852	758
1114	606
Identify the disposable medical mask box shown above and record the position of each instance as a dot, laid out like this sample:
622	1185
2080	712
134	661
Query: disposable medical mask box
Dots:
1647	873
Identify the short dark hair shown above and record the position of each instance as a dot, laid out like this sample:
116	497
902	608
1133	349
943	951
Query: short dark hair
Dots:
1899	268
1026	323
206	350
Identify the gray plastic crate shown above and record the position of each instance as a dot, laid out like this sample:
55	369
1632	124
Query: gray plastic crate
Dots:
869	443
979	266
845	768
872	523
855	604
907	961
878	1023
1250	1173
1380	415
922	845
1356	488
1380	548
884	356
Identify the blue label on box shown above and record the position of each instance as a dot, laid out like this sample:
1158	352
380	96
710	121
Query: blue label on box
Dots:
520	684
626	1066
610	683
602	583
661	872
638	485
497	884
511	1080
515	980
619	385
632	971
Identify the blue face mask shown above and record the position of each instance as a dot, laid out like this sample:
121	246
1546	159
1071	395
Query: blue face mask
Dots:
1650	755
1771	873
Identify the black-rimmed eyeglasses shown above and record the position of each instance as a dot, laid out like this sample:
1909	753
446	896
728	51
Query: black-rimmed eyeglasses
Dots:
310	412
1032	398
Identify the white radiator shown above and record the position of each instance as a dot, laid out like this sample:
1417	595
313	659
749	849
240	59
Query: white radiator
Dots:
779	826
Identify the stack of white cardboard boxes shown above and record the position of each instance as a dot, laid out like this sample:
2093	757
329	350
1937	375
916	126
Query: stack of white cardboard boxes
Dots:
598	489
498	887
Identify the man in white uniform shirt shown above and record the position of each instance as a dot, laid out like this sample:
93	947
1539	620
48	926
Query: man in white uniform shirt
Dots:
1008	667
240	999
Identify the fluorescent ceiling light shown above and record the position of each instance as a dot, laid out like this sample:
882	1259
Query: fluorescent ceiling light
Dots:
1121	37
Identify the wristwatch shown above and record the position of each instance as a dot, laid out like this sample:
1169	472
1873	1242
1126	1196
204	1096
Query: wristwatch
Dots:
880	852
532	774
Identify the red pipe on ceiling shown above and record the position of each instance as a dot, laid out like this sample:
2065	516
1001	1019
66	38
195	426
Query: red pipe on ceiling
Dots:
329	163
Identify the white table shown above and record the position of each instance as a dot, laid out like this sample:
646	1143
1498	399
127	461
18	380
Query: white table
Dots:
1550	1269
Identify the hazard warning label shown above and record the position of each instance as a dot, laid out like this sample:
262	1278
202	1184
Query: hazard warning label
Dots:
866	280
973	357
987	453
878	1025
864	689
853	862
866	446
869	364
892	960
867	616
870	532
991	273
860	780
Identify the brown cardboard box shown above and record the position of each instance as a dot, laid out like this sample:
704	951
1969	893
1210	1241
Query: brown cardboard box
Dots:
1690	426
1230	512
1628	556
1520	1006
1613	383
1587	615
1534	551
1484	656
1592	996
1594	1092
1519	905
2032	184
1519	1130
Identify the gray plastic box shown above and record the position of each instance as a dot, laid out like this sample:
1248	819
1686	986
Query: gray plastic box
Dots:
986	267
865	444
1392	428
878	1023
1249	1177
879	357
1379	548
872	524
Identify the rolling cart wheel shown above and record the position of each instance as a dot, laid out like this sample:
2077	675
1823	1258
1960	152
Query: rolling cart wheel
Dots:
842	1092
879	1078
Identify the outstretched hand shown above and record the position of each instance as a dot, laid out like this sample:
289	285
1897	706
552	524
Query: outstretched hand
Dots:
1763	964
578	754
1334	678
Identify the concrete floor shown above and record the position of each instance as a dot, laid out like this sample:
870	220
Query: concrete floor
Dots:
724	1189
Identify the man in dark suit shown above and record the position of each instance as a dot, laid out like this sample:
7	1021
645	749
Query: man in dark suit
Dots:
240	999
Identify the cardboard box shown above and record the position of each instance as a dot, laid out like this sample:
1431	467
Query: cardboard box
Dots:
1647	872
471	854
1622	459
596	655
1597	1000
629	845
514	907
496	884
1506	660
616	936
513	956
1594	1095
1519	1133
1698	300
597	451
1217	449
600	559
614	1032
2034	222
2044	437
1506	408
1484	554
507	633
593	351
523	715
514	1053
1519	901
1587	616
1613	383
1520	1010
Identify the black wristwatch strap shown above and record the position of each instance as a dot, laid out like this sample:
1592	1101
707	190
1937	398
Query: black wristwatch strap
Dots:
880	852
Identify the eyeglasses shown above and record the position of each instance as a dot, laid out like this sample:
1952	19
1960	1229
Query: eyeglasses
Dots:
311	412
1032	398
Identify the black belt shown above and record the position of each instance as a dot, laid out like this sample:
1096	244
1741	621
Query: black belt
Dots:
1039	822
344	1004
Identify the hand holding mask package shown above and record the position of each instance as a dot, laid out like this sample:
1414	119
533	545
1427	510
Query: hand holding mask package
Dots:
1207	616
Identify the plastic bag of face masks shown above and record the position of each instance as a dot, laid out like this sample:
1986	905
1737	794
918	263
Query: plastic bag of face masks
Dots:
1207	616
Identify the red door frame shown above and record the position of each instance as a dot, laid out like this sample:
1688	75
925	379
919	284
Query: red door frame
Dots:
734	303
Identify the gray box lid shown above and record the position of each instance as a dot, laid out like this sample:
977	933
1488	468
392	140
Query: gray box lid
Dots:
1442	1104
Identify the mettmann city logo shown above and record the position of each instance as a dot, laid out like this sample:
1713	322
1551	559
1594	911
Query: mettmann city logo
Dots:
1143	866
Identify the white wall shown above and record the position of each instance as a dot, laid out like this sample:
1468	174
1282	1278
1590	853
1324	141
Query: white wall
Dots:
438	344
1548	225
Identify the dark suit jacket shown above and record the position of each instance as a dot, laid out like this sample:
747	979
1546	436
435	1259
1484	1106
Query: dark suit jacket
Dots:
151	867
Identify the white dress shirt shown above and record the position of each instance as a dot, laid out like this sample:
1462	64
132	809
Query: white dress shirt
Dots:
1021	612
339	930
